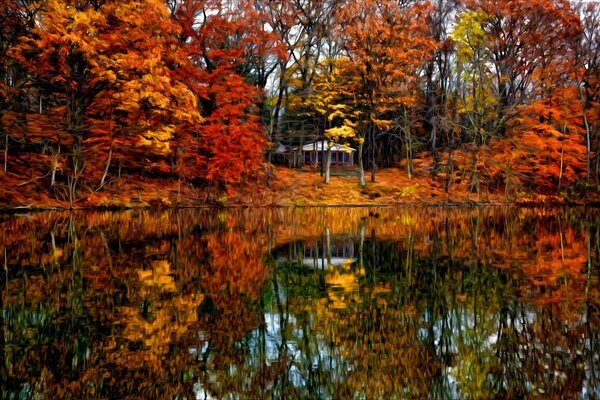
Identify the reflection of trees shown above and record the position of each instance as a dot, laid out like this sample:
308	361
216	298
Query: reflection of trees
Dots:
106	305
464	300
472	303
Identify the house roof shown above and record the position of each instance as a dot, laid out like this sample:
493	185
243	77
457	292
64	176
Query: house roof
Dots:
280	148
322	145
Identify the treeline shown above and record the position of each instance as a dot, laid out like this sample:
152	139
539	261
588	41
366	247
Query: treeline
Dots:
504	95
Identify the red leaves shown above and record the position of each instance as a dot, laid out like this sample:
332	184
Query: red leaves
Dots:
125	87
232	140
545	145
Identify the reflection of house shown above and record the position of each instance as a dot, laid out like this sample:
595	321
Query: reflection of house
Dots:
315	152
316	254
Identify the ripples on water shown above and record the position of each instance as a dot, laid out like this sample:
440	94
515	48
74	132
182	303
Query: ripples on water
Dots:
301	303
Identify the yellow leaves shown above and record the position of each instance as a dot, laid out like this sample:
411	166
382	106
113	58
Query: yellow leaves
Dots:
159	276
85	21
343	132
158	138
71	28
469	34
343	287
335	114
350	124
481	100
148	79
109	76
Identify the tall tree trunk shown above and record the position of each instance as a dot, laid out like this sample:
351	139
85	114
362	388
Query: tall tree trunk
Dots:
372	152
300	154
108	160
361	170
280	96
110	150
328	166
588	143
5	151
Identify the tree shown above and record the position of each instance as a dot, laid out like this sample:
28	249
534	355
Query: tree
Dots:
587	79
387	43
332	103
17	20
114	59
478	118
438	76
545	149
229	147
527	43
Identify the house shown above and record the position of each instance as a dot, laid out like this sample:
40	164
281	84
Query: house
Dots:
341	155
282	154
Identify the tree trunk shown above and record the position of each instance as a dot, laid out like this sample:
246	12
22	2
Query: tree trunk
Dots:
55	157
328	166
328	246
110	150
361	170
300	155
109	158
588	145
280	97
6	153
372	152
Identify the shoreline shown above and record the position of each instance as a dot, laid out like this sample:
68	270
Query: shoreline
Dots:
472	204
292	188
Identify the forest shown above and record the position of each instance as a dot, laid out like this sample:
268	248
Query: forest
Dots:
101	98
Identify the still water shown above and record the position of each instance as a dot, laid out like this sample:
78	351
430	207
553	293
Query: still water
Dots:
322	303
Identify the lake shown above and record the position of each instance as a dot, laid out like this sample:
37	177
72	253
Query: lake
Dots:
301	303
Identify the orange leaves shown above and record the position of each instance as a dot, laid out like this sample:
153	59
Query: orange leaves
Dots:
234	139
386	43
113	62
231	139
132	89
545	149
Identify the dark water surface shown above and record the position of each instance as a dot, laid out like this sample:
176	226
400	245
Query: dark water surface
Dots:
321	303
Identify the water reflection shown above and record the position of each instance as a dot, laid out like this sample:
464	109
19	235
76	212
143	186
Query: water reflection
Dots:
301	303
320	254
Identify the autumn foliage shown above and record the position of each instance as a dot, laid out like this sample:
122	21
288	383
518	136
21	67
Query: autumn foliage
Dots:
111	89
104	101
